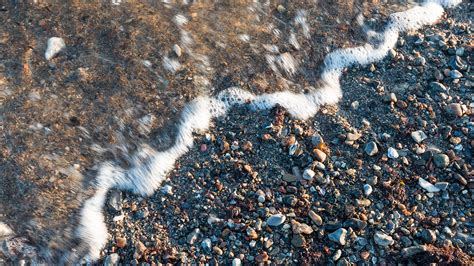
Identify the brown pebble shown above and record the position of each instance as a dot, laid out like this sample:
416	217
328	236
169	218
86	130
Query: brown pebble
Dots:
262	257
218	251
365	255
247	146
121	242
266	137
290	140
402	104
248	168
319	155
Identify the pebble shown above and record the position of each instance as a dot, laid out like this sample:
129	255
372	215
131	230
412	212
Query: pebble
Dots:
121	242
427	186
429	236
55	45
206	244
455	74
308	174
454	109
5	231
217	250
112	259
418	136
319	155
315	218
276	219
167	190
367	189
301	228
413	250
353	136
420	61
382	239
298	241
337	255
390	97
177	50
193	236
338	236
441	160
289	178
371	148
442	185
263	257
436	86
236	262
392	153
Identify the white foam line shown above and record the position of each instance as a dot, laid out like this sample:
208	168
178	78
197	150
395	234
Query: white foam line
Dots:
150	167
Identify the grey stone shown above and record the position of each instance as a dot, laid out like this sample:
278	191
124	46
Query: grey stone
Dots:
276	219
5	231
427	186
441	160
112	259
418	136
436	86
382	239
428	236
371	148
339	236
413	250
115	201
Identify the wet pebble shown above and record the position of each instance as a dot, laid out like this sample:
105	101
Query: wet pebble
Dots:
441	160
371	148
382	239
276	220
338	236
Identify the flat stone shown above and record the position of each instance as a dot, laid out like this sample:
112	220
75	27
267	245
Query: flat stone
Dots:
339	236
289	178
418	136
353	136
355	224
442	185
413	250
382	239
276	219
371	148
427	186
298	241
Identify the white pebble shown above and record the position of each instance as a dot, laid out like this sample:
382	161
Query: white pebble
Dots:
392	153
367	189
55	45
308	174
